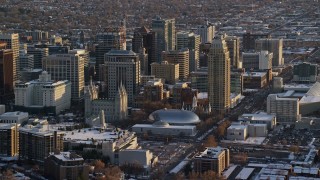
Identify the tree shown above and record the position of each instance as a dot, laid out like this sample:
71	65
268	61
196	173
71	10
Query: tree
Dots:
209	175
294	149
211	142
194	175
98	166
112	173
179	176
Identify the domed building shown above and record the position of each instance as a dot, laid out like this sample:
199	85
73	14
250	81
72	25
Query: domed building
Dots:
174	117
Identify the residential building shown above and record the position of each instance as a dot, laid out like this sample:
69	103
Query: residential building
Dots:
37	35
305	72
257	60
67	67
37	142
43	95
12	41
206	32
66	165
9	139
167	71
180	57
286	109
215	159
166	35
122	67
219	75
272	45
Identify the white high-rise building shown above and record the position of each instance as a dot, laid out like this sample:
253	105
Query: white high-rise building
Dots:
286	109
206	32
43	94
67	67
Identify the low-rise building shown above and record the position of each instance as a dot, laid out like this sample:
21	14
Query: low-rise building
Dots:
164	129
286	109
167	71
213	158
305	72
259	118
254	80
14	117
237	132
66	165
37	142
140	156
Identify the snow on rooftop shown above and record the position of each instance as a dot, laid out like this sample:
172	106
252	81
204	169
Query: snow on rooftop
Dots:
245	173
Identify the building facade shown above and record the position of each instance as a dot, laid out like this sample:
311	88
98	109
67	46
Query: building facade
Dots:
114	108
6	76
212	158
122	68
9	140
233	44
180	57
166	35
167	71
37	142
12	41
286	109
219	75
257	60
305	72
206	32
67	67
43	95
272	45
38	55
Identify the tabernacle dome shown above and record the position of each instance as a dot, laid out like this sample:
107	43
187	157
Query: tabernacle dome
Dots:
174	117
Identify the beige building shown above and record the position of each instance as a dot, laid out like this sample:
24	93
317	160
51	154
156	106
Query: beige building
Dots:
219	75
12	41
167	71
233	44
140	156
271	45
9	139
257	60
66	165
67	67
180	57
153	90
286	109
213	158
37	142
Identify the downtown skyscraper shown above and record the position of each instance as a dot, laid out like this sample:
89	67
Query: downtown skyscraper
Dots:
12	41
166	35
219	75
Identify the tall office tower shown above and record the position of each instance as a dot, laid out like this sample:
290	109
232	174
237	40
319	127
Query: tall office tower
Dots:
144	38
166	71
6	75
166	35
248	40
38	55
85	55
37	35
12	41
180	57
219	75
122	67
274	46
206	32
26	60
236	81
111	38
199	79
9	139
192	42
233	44
67	67
153	91
36	143
257	60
